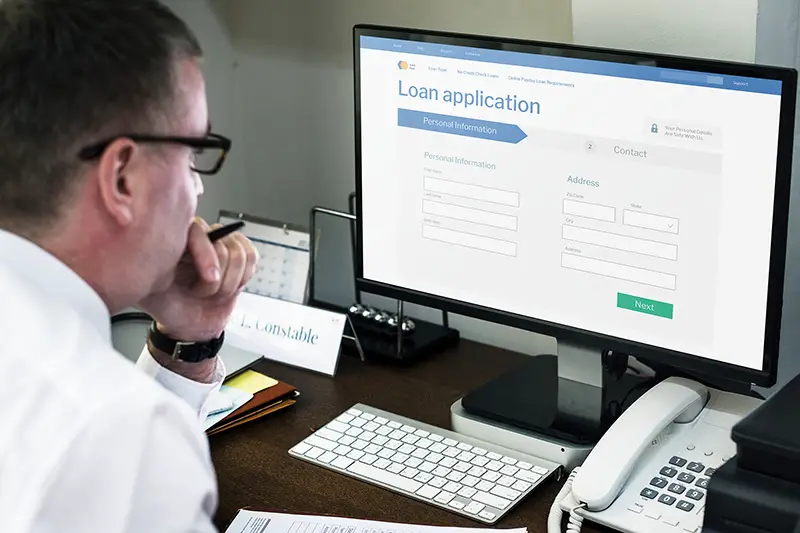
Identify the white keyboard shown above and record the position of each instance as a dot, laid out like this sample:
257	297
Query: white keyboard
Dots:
455	472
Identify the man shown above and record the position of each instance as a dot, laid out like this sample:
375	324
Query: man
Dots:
103	135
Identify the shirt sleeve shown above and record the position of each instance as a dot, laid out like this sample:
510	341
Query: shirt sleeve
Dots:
194	393
132	469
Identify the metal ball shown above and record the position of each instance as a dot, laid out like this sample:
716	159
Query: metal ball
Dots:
392	320
368	312
356	309
408	325
381	317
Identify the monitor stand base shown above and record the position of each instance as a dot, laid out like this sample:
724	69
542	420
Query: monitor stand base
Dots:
553	407
567	454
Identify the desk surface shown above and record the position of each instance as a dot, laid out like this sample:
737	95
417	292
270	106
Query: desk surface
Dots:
254	468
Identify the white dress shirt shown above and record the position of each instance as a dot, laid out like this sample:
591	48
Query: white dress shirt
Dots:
90	443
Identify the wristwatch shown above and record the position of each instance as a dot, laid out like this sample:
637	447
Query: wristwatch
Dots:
191	352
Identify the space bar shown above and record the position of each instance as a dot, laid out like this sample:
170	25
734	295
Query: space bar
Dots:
382	476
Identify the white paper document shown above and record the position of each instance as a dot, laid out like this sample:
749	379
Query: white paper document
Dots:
267	522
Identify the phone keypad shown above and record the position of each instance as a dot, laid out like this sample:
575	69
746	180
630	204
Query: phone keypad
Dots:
680	484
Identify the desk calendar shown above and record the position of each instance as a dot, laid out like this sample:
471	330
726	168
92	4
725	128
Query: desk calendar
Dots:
282	271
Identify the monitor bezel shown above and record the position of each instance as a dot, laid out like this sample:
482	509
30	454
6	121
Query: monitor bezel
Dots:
768	374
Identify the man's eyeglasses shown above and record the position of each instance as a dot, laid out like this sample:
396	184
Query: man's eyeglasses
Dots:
209	151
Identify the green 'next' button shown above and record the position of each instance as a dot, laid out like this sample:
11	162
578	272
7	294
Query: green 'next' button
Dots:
643	305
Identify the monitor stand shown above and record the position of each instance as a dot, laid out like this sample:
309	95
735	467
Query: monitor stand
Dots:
553	407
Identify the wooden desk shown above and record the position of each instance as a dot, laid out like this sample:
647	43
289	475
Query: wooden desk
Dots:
254	468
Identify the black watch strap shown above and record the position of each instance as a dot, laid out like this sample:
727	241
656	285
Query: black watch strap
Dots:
191	352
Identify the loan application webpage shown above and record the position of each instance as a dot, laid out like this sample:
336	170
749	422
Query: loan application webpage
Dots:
613	202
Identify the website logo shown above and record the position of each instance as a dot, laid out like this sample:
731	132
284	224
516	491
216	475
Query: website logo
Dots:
405	65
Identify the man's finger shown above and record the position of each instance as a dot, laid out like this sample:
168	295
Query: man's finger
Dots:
203	253
237	262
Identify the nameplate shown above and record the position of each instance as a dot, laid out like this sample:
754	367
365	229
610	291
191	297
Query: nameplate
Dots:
287	332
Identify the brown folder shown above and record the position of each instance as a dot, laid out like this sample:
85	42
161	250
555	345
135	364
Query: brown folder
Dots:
269	400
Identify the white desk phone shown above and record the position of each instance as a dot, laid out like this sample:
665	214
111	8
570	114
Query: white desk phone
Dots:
649	472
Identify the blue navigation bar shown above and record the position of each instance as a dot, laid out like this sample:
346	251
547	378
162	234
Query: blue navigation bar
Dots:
569	64
466	127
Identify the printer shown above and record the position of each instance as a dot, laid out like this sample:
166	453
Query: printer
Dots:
758	489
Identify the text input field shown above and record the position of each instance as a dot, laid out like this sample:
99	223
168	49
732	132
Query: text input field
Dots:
475	192
589	210
618	271
620	242
467	214
469	240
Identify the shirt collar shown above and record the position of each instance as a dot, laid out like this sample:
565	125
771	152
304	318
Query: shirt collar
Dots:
57	280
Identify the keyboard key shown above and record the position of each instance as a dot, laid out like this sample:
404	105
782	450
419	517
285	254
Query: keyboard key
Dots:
380	420
399	458
395	468
470	481
409	472
368	416
477	471
419	453
435	457
394	425
358	422
435	438
702	483
525	475
355	432
695	467
685	477
413	462
354	412
487	515
683	505
491	500
539	470
455	476
393	444
509	460
480	461
367	436
438	448
448	462
427	466
453	487
421	433
505	492
355	455
438	482
319	442
360	444
509	470
450	442
491	476
479	451
462	466
423	477
386	453
466	456
521	486
301	448
314	452
383	476
410	439
408	429
474	508
484	485
467	492
494	465
677	461
506	481
407	449
373	448
327	457
344	462
345	418
494	456
444	497
337	426
382	463
659	482
428	492
522	465
441	471
424	443
455	504
451	452
347	440
383	430
369	458
397	434
464	446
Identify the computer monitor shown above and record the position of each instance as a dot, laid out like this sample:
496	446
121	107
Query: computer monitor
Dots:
620	201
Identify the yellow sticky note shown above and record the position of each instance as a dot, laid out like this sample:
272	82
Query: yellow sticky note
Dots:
251	381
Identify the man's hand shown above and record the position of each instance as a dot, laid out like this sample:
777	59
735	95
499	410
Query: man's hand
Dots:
201	299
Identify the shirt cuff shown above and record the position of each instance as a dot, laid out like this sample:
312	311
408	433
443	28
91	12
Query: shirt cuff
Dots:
194	393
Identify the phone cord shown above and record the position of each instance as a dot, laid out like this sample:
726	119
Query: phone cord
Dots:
554	518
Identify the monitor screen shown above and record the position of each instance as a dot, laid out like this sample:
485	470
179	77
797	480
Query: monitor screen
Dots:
591	190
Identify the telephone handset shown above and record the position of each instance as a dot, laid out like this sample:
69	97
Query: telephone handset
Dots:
599	480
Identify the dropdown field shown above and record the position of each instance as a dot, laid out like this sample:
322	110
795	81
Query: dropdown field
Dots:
640	219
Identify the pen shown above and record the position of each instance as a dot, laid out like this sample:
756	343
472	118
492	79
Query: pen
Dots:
217	234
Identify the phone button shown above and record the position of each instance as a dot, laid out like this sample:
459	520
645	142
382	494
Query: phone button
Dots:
648	493
677	461
659	482
666	499
686	477
696	467
668	471
703	483
683	505
677	488
694	494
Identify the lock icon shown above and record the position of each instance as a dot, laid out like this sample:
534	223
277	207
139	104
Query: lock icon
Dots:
654	128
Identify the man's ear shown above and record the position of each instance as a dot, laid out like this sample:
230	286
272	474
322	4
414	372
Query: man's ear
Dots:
118	185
